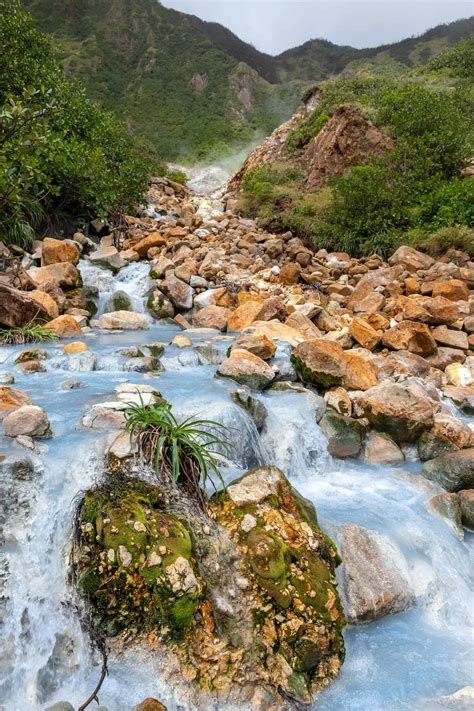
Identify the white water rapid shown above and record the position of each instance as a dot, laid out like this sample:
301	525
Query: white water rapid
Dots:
402	662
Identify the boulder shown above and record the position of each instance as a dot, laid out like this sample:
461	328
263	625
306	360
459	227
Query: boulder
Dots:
75	347
362	332
452	470
19	308
463	396
46	302
11	399
243	316
257	343
319	362
466	502
121	320
273	564
179	293
360	373
379	448
57	250
64	326
154	239
401	411
149	704
108	257
272	308
410	336
255	408
247	369
374	575
118	301
453	290
290	273
62	274
447	434
448	337
344	434
212	317
459	375
303	324
411	259
447	506
160	306
28	420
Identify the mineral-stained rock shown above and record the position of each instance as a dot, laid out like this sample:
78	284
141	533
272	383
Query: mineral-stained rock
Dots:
123	320
411	259
247	369
361	372
108	257
258	344
463	396
453	289
27	420
64	325
272	308
374	575
56	250
11	399
18	308
381	449
63	274
401	411
459	375
149	705
243	316
448	507
212	317
320	362
453	470
362	332
448	433
249	605
179	293
160	305
411	336
154	239
47	302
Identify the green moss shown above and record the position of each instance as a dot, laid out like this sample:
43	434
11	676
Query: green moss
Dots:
298	685
183	611
266	554
89	583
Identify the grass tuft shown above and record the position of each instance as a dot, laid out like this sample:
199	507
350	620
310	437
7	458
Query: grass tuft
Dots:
182	452
31	333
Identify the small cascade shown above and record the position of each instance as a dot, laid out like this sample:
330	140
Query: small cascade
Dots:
133	279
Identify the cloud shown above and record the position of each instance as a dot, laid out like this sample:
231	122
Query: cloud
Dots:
276	25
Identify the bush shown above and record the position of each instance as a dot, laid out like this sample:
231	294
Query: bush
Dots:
60	153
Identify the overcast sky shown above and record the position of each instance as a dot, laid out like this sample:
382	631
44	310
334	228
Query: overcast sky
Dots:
275	25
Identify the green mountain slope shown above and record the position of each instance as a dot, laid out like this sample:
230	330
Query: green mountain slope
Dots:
192	87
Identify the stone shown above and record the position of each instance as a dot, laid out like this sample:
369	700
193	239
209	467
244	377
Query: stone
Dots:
28	420
447	434
247	369
374	575
243	316
257	343
210	297
72	384
303	324
338	399
6	378
401	411
118	301
452	470
75	347
379	448
56	250
319	362
121	320
149	704
454	290
64	326
272	308
447	506
411	336
466	502
255	408
463	396
459	375
19	308
212	317
108	257
344	434
411	259
11	399
448	337
46	301
290	274
154	239
462	700
62	274
160	306
276	331
179	293
362	332
360	373
181	341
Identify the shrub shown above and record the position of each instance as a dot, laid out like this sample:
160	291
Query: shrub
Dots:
182	452
60	153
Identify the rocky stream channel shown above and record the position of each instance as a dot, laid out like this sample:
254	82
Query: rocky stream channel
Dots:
404	579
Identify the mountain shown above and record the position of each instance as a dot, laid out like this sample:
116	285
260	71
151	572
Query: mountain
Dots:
193	88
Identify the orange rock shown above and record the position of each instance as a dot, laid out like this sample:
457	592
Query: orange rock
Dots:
362	332
361	372
411	336
61	273
454	290
243	316
150	705
272	308
57	250
411	259
319	361
11	399
290	274
243	297
257	343
76	347
64	326
448	337
154	239
212	317
303	324
46	301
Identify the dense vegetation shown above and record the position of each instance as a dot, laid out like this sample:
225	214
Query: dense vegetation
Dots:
60	153
415	193
193	88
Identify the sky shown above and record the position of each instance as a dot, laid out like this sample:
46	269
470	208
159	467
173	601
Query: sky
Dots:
275	25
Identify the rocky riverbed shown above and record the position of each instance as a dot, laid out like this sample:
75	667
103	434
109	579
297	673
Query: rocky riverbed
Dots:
353	377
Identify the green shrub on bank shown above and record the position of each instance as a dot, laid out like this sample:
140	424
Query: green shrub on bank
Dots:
60	154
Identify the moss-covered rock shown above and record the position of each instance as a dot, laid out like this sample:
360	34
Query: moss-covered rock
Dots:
246	602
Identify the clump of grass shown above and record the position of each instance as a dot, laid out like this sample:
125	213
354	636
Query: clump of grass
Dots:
182	452
31	333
